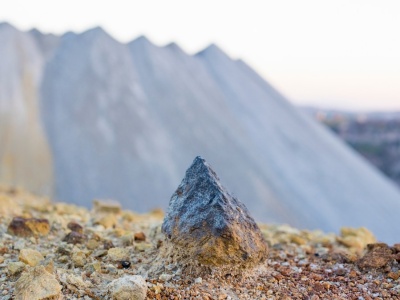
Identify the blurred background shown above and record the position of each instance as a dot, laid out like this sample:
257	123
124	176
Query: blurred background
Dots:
296	105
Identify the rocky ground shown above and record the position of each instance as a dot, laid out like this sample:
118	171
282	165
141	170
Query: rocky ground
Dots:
61	251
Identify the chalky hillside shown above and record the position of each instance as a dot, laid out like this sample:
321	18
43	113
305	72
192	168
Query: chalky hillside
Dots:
206	246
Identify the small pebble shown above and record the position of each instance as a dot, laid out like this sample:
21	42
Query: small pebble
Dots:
37	284
30	257
118	254
128	288
16	267
74	238
166	277
139	236
73	226
28	227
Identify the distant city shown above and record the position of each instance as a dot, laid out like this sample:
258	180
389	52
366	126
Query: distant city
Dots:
375	135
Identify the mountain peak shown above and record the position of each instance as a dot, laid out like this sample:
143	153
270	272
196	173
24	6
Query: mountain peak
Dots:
175	48
35	31
141	40
95	31
212	50
211	47
93	36
172	45
6	25
90	34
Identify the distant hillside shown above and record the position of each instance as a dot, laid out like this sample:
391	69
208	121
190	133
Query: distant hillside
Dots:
124	121
375	135
25	158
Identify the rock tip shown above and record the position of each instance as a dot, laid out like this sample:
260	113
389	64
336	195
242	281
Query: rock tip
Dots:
199	158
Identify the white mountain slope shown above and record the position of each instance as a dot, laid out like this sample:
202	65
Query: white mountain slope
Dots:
47	43
189	103
100	128
323	182
125	121
24	154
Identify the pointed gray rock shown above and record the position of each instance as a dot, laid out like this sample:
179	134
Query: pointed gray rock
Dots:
209	225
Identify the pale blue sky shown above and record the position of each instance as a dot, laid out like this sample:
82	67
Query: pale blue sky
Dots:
339	53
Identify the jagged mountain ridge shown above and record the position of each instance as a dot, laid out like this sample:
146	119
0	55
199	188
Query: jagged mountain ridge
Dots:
91	128
123	121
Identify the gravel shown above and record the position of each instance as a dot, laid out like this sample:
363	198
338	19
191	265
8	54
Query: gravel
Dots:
300	265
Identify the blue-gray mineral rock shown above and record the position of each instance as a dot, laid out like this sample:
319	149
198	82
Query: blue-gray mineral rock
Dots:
207	224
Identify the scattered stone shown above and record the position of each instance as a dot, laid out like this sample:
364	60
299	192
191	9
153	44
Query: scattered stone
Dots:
92	244
141	247
63	259
19	244
28	227
378	256
96	237
118	254
139	236
111	269
128	288
37	284
49	266
298	239
356	238
302	264
158	288
75	238
339	257
79	258
396	248
107	206
73	226
394	275
198	280
76	282
107	221
209	225
165	277
340	271
127	239
158	213
125	264
107	244
30	257
63	250
119	232
16	267
100	253
93	267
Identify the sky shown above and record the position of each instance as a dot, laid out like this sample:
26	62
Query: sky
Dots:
342	54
